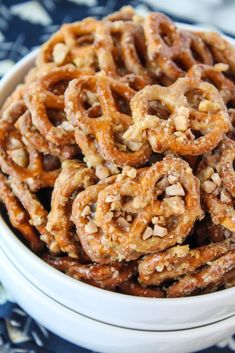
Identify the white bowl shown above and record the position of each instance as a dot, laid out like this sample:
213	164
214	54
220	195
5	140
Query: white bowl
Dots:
101	337
113	308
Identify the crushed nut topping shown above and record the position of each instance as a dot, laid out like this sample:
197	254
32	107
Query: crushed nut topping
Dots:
91	227
159	231
175	190
209	186
147	233
60	53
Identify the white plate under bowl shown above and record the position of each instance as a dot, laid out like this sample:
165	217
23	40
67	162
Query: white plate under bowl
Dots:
101	337
116	309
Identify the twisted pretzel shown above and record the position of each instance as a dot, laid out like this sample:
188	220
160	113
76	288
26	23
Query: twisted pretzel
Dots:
130	220
217	176
188	118
97	107
35	139
221	50
18	216
132	287
211	274
121	50
37	213
103	276
171	52
73	43
45	101
177	261
73	177
214	75
18	158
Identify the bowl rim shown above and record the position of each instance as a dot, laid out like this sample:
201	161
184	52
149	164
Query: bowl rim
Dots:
22	64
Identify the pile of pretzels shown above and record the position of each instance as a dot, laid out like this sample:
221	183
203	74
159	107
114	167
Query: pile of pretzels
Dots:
117	156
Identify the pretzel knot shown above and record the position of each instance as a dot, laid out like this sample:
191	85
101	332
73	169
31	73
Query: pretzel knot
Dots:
98	108
18	158
217	176
18	216
195	269
147	211
73	43
74	176
103	276
171	52
188	118
45	101
214	75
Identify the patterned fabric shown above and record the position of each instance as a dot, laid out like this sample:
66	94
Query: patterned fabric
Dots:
24	25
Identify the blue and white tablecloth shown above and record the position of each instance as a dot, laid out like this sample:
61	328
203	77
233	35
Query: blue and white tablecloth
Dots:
25	24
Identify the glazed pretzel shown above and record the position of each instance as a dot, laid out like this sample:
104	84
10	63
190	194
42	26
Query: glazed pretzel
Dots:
121	50
210	275
97	106
222	51
171	52
15	96
17	157
214	75
130	220
73	43
126	13
18	216
35	139
217	176
45	101
132	287
37	213
177	261
182	111
73	177
103	276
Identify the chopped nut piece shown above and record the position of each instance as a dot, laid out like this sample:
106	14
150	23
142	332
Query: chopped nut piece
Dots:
175	204
172	179
109	216
180	250
225	196
60	52
175	190
139	202
155	220
102	172
207	105
159	231
159	268
129	171
206	173
91	227
209	186
134	146
147	233
163	183
216	179
129	218
181	119
20	157
86	211
123	223
111	198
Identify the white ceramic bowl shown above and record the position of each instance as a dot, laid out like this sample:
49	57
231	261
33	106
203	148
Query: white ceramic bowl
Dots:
113	308
101	337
